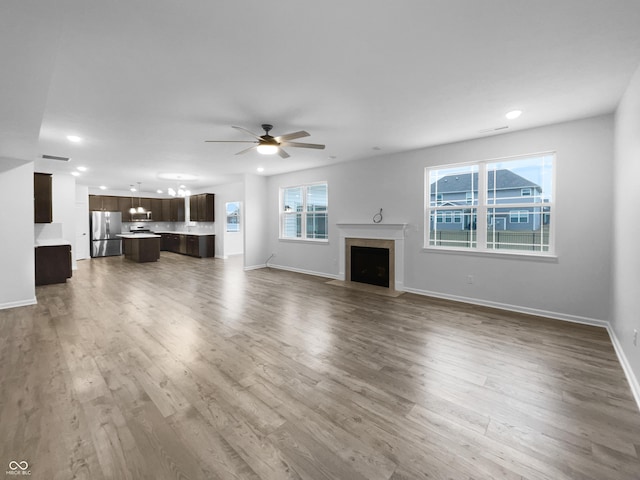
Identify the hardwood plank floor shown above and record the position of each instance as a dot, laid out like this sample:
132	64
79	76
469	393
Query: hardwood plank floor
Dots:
194	369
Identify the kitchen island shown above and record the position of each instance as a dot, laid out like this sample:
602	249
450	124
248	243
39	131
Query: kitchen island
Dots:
141	247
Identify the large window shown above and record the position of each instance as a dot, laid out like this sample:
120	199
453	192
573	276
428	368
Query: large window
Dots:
496	205
303	212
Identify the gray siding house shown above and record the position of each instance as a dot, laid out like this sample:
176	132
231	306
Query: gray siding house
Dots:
505	187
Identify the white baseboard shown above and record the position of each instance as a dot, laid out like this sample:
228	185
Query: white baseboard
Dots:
626	366
513	308
21	303
306	272
255	267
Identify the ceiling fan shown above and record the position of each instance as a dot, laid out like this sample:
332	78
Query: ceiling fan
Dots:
268	145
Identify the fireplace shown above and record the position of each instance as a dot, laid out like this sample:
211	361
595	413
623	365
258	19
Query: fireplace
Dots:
370	265
371	261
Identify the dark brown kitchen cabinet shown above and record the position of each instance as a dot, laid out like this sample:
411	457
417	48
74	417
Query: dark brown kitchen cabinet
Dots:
194	245
52	264
177	210
42	198
166	210
201	207
124	205
156	210
106	203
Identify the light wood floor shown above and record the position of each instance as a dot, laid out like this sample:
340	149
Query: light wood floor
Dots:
194	369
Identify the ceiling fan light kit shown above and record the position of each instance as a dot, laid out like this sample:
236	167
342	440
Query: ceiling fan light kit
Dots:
268	145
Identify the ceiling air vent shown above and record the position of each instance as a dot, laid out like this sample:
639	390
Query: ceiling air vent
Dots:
54	157
494	129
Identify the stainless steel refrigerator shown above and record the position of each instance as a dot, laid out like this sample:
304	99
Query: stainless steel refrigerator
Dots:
105	226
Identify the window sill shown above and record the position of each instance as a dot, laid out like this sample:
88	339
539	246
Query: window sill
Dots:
541	257
304	240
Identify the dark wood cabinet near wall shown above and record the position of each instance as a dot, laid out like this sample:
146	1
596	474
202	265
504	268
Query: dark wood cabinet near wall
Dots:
106	203
201	207
42	198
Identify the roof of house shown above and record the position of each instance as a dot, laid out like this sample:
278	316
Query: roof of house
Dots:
505	180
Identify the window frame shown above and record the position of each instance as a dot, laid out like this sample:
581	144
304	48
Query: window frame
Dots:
483	209
303	213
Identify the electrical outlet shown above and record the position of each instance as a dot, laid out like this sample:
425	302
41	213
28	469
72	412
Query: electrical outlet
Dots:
635	337
469	279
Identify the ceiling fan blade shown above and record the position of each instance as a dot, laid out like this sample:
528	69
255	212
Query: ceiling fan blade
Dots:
241	152
230	141
291	136
303	145
254	135
282	153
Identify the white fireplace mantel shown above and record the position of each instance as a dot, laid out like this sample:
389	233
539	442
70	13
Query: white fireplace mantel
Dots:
382	231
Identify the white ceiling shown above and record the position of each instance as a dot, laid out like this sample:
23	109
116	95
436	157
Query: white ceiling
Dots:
145	82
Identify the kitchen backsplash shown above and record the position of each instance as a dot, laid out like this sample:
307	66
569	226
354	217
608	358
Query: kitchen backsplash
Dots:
193	227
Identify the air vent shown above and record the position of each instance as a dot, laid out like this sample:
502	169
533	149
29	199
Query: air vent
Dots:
53	157
494	129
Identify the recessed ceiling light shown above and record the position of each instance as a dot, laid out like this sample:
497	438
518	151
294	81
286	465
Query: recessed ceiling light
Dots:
75	174
260	169
81	169
74	138
158	191
513	114
133	189
102	187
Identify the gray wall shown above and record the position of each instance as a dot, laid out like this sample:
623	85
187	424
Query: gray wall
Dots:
575	286
626	261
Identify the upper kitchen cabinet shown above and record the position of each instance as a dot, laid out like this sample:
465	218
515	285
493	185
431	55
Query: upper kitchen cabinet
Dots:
177	210
201	207
105	203
42	198
156	210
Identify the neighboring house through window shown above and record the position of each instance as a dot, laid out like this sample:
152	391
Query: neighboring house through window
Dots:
233	216
492	205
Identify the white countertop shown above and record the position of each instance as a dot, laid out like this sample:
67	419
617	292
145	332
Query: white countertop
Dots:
138	235
51	242
199	234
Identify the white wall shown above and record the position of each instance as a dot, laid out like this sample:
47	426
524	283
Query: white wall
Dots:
17	271
255	222
575	286
63	196
626	259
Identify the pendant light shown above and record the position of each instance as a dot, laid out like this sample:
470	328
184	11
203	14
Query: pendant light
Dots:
140	207
132	210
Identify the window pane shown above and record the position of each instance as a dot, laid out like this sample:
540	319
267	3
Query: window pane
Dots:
233	216
453	186
317	198
453	233
292	199
522	229
526	180
292	225
317	225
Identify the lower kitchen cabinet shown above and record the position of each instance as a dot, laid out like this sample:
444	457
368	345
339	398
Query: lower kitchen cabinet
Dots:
201	246
53	264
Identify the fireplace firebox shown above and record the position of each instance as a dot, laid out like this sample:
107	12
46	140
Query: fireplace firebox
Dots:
370	265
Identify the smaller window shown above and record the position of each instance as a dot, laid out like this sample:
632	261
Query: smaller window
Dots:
518	216
457	216
469	198
525	192
233	216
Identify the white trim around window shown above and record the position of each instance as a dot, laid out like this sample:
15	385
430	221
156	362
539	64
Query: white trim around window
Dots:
304	212
499	219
